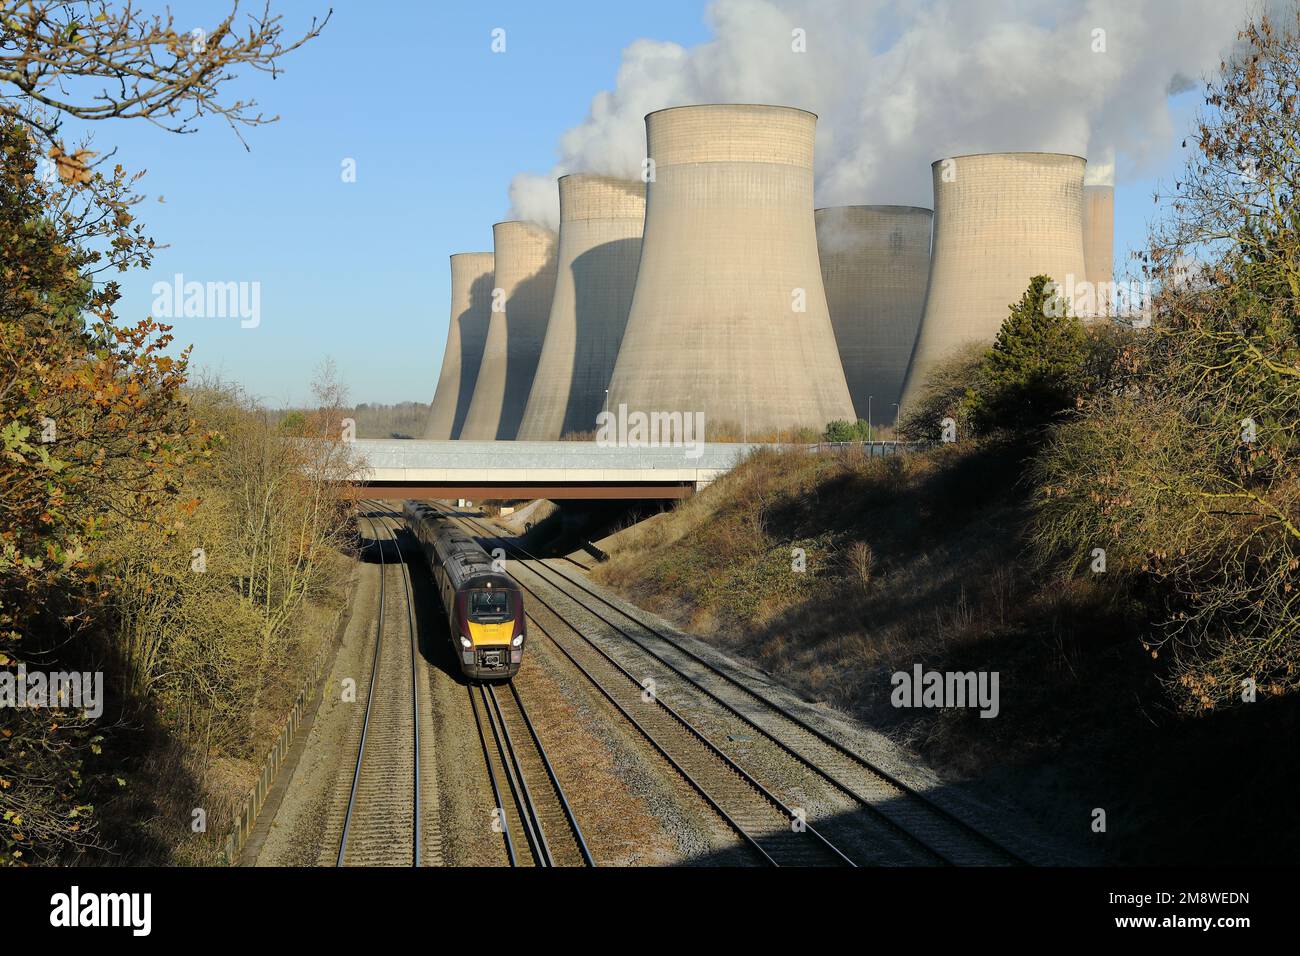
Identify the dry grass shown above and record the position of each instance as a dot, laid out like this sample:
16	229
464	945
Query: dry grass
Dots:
373	420
151	821
923	559
737	433
889	547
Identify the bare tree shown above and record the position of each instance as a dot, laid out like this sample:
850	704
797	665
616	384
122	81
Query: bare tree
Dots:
1188	472
95	60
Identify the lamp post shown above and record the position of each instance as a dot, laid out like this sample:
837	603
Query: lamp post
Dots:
869	419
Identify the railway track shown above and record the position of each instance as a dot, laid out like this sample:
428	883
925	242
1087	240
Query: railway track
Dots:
933	832
382	822
537	824
532	812
777	833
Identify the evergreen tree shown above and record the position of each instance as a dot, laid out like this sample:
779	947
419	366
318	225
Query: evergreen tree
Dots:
1036	369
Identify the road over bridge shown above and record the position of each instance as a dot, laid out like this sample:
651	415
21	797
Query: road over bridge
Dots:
479	470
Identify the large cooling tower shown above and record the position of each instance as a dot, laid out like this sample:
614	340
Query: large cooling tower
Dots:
729	315
525	283
471	307
875	264
999	220
1099	241
600	246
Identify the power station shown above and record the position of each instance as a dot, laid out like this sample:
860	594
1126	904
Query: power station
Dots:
875	264
999	220
521	302
600	246
714	290
471	307
729	316
1099	242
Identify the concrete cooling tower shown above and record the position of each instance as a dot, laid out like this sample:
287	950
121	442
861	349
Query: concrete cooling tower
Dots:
875	264
1099	241
600	246
999	220
729	316
525	283
471	307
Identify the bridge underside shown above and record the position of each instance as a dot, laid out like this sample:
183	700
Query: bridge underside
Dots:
518	490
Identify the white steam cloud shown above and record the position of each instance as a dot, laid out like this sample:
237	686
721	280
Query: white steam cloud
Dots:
900	83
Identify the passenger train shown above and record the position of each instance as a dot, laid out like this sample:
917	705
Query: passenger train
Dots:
484	608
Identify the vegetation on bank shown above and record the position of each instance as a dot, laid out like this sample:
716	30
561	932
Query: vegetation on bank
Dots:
1114	530
859	430
157	535
370	419
164	534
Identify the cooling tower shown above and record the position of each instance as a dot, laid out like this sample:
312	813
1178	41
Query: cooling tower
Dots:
1099	242
729	316
525	283
600	246
999	220
875	264
471	307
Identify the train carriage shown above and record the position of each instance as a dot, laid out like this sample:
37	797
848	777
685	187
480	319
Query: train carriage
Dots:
483	607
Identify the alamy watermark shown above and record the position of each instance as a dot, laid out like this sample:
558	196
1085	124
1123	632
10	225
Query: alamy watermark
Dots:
74	908
651	430
38	690
1079	298
950	689
179	299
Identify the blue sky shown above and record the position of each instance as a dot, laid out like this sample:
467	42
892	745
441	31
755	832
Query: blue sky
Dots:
437	125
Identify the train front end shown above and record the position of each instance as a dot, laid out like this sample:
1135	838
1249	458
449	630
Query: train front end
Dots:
492	628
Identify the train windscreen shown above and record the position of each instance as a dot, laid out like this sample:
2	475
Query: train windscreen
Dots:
488	606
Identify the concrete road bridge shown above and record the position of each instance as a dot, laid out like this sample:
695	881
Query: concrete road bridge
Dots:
482	470
479	470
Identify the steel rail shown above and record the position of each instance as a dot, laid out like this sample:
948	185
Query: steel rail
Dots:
378	543
515	776
492	777
672	761
555	781
857	758
415	680
779	709
515	772
835	781
370	697
726	760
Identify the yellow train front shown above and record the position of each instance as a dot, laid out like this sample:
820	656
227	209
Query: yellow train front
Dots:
483	607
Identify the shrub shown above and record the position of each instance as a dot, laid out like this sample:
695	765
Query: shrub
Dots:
1187	468
840	430
944	396
1035	369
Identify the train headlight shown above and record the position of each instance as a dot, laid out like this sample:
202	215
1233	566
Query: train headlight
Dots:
465	641
519	640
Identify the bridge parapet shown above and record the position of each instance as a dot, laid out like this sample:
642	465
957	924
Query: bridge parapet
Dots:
555	469
479	469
